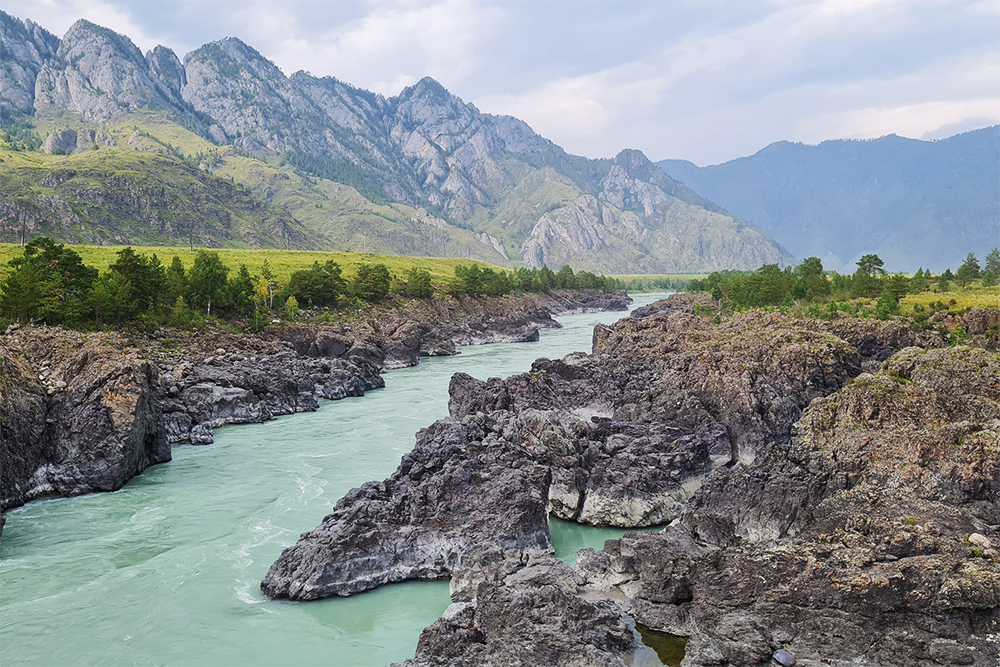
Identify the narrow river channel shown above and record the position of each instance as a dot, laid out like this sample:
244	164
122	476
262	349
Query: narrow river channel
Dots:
166	571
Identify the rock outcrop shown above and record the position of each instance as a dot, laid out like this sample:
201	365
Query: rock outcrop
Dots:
78	415
881	499
817	508
26	47
87	412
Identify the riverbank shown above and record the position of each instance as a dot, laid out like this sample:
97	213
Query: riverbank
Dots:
87	412
831	490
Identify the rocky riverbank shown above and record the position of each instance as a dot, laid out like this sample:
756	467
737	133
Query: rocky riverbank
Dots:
830	490
86	412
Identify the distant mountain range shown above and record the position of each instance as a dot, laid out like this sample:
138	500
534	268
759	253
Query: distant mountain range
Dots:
241	155
914	203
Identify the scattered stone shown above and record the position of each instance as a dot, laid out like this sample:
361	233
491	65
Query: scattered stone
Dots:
980	540
784	658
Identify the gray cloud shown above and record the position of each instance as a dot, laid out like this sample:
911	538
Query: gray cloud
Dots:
706	80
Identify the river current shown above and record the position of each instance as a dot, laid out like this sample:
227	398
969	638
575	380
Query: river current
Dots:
166	571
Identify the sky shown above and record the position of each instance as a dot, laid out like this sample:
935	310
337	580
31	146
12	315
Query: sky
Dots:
702	80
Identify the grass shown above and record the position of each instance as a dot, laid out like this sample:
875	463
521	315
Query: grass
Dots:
657	282
971	296
283	262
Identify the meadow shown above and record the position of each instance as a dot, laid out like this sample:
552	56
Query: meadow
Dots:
973	295
283	262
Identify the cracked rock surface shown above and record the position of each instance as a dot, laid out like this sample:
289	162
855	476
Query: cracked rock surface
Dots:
816	507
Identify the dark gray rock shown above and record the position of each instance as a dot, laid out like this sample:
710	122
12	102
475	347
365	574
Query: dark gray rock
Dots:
828	518
97	429
527	621
385	532
233	390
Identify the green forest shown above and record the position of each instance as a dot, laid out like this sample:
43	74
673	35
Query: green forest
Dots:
808	285
50	283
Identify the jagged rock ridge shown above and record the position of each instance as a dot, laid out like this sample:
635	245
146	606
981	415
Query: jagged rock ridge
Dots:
425	148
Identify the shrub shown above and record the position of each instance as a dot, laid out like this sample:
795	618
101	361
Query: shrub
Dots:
372	282
291	310
417	284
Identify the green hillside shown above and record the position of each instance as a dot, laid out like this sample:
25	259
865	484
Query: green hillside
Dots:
213	195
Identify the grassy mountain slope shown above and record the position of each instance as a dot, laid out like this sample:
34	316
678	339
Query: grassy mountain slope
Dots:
319	213
117	197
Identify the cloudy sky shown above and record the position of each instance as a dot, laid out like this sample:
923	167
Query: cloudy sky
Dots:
704	80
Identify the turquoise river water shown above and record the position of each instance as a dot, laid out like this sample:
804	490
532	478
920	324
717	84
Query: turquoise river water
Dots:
166	571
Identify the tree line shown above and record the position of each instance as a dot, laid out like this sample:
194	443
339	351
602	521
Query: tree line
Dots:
808	282
486	281
50	283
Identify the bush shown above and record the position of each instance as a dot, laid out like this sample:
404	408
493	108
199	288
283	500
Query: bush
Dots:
320	285
181	316
371	283
417	284
291	310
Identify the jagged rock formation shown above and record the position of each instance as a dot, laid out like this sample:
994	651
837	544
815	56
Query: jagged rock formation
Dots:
25	47
818	509
78	414
519	195
873	503
87	412
98	73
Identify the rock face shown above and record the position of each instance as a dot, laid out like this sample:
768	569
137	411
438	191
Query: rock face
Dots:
240	388
836	515
98	73
383	533
647	223
26	47
79	415
529	615
75	141
878	494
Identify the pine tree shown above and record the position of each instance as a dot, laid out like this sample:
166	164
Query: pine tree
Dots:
993	261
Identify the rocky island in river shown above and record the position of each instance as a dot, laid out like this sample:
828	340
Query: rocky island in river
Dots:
830	491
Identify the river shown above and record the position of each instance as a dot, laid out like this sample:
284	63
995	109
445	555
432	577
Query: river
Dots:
166	571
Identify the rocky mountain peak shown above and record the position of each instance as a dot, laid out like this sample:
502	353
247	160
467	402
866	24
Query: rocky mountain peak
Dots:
232	50
167	69
631	159
98	73
86	39
427	103
24	48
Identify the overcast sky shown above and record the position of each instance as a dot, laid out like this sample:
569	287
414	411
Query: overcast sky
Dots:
702	80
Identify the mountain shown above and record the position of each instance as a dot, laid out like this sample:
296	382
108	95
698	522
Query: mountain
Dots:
419	173
107	197
914	203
